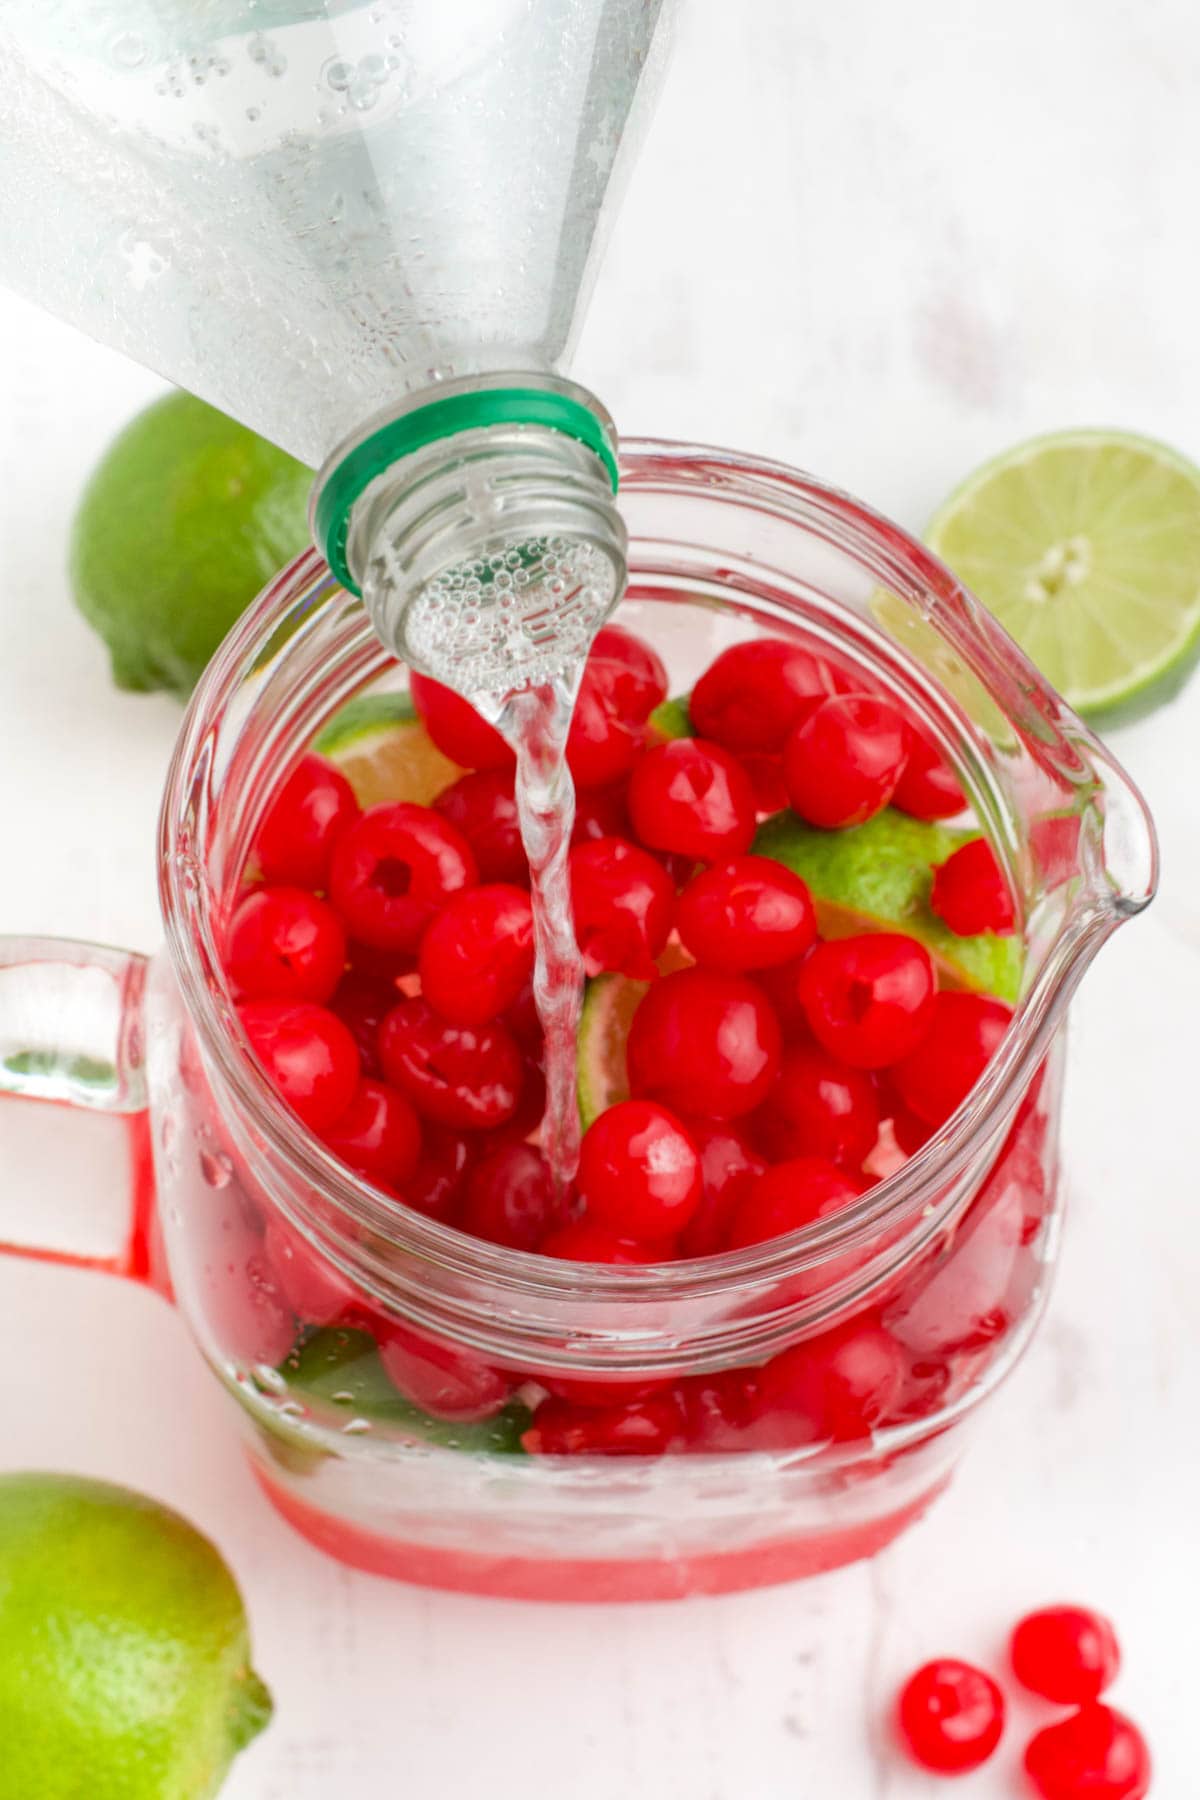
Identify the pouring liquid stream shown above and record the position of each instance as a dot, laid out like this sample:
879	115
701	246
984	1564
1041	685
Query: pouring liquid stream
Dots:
536	722
510	632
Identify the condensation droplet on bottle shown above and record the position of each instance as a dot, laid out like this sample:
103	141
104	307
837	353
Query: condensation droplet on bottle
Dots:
128	50
166	1132
216	1168
267	55
356	1427
254	114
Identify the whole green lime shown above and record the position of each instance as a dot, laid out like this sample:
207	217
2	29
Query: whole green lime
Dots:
186	516
124	1650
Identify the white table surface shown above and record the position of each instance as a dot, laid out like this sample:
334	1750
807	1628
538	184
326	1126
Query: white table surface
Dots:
884	243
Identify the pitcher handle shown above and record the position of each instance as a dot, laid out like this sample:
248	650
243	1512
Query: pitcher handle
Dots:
75	1189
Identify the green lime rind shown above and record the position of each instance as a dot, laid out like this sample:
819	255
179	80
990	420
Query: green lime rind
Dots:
1086	547
671	719
883	872
361	718
184	519
609	1003
125	1660
342	1370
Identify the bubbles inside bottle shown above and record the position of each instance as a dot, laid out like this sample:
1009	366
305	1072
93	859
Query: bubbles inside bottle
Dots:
514	618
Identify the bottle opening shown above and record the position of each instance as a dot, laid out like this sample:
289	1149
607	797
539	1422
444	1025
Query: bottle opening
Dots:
512	617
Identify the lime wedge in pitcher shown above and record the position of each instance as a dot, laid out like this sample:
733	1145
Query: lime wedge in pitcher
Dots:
385	752
1086	547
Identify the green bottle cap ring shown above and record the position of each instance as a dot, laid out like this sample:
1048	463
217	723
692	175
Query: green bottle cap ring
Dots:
443	418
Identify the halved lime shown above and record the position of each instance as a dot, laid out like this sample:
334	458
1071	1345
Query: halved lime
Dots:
385	752
1086	547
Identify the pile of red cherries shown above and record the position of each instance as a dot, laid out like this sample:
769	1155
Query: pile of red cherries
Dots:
951	1715
382	960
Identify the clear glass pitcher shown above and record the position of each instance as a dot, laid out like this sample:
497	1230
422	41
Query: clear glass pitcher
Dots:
386	1367
322	214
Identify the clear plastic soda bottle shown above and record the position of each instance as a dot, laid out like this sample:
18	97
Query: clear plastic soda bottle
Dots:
367	229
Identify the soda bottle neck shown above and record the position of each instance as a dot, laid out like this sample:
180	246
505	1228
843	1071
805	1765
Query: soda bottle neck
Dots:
480	527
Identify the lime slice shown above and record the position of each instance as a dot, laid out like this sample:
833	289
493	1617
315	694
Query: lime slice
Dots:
609	1003
385	752
878	876
1086	547
608	1008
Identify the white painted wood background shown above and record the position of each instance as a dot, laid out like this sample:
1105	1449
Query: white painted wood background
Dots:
884	243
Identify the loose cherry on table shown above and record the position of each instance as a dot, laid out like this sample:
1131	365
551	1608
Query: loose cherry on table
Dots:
309	814
466	1076
308	1054
818	1106
1094	1754
951	1716
394	869
623	902
788	1196
705	1044
964	1033
482	806
694	799
749	913
870	999
477	955
843	761
639	1172
753	694
1065	1653
970	893
284	944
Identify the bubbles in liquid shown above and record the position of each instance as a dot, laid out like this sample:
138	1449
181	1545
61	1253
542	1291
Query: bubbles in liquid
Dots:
516	617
